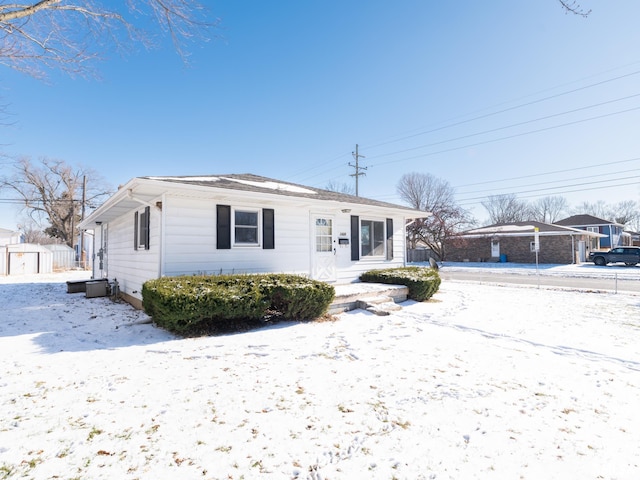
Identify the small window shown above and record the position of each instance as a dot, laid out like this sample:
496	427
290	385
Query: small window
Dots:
324	235
141	229
246	227
372	238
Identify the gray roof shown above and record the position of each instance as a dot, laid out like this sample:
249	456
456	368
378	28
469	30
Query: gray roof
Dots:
583	221
256	183
142	190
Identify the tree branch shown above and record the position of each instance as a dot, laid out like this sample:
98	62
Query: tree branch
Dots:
70	34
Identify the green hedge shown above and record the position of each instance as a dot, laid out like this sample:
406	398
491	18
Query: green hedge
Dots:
422	282
182	304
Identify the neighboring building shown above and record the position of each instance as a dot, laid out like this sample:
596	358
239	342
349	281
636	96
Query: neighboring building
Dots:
515	242
8	237
25	258
166	226
634	239
613	234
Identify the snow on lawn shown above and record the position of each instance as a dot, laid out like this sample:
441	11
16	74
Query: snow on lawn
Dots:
480	382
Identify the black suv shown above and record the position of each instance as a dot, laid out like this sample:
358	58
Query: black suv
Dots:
628	255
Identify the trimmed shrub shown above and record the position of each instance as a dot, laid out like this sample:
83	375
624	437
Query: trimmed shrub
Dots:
184	304
422	282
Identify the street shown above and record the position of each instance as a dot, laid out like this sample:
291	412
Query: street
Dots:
613	279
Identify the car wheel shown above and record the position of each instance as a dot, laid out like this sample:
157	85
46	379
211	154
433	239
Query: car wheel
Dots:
599	261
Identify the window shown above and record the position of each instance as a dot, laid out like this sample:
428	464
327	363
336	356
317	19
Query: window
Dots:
141	229
594	242
369	238
324	235
372	238
245	227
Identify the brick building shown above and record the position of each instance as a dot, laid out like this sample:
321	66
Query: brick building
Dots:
515	242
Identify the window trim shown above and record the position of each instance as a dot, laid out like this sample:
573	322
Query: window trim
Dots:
142	229
356	243
383	239
258	227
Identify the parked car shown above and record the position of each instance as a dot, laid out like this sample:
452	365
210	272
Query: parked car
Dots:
628	255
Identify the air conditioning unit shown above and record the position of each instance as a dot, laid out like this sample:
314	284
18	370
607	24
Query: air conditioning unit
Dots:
97	288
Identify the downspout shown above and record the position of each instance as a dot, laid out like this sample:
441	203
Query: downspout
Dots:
161	236
406	225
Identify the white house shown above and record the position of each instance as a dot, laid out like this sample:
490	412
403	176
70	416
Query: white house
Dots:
240	223
8	237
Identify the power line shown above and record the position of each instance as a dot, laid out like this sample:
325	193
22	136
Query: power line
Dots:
480	117
619	172
566	170
516	135
519	124
539	190
324	166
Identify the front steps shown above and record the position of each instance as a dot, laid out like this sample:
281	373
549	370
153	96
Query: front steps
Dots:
377	298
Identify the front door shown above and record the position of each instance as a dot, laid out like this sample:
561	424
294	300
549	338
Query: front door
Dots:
323	248
495	248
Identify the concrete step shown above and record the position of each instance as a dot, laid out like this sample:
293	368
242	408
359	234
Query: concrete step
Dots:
381	305
349	295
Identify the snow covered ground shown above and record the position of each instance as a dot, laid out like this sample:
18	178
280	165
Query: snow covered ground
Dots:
481	382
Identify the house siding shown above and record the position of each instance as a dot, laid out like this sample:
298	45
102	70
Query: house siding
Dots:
348	270
190	239
132	267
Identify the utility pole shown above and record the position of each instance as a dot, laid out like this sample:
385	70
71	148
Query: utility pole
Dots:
84	201
357	167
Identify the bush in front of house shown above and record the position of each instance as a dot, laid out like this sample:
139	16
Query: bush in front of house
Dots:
422	282
198	303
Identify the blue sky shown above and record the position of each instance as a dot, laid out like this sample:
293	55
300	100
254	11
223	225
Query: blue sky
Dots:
494	97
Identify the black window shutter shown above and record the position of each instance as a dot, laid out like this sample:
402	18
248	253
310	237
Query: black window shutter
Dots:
135	231
223	226
355	237
389	238
268	230
147	223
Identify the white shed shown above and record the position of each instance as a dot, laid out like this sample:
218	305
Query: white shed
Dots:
23	258
241	223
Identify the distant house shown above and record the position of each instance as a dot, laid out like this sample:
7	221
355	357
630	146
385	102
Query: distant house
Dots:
166	226
613	234
8	237
635	238
516	242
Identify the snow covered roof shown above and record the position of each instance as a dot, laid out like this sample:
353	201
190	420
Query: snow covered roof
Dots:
527	229
147	190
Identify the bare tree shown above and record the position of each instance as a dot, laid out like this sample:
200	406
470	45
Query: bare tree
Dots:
31	233
598	209
548	209
52	191
431	194
340	188
506	209
68	34
626	212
